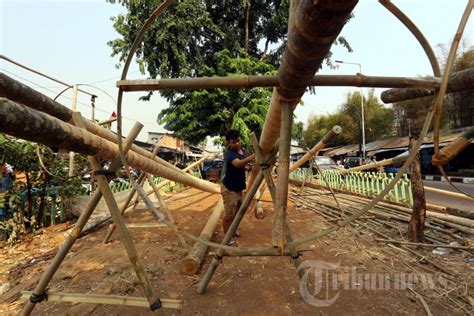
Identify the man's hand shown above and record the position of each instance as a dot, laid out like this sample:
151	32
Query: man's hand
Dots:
240	163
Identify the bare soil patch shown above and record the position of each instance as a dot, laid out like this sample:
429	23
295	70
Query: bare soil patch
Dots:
245	285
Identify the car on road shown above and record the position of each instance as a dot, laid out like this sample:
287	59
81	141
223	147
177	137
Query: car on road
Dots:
351	162
324	163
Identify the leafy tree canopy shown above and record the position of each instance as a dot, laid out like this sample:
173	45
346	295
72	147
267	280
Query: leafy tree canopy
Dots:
378	122
208	38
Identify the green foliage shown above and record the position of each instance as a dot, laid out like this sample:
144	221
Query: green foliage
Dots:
378	122
208	38
198	113
297	131
51	172
460	105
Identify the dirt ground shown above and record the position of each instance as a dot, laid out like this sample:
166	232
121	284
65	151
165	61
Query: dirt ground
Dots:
243	285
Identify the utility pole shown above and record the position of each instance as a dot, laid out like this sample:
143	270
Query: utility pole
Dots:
361	104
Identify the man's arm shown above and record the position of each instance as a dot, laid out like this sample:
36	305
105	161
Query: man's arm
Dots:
240	163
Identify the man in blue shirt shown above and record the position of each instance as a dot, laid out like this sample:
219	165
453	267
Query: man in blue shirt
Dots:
233	182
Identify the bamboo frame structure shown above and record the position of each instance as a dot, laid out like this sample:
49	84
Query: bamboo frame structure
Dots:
130	196
21	93
69	242
271	187
313	26
54	132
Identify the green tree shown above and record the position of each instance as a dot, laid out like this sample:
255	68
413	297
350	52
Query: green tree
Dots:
318	126
378	122
39	174
460	105
297	132
208	38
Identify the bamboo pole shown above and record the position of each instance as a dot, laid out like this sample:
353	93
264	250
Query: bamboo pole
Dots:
450	210
249	82
448	152
146	225
424	244
327	139
257	252
125	237
133	191
21	93
376	164
54	132
448	193
416	32
230	233
191	263
165	207
458	81
281	196
271	187
105	299
75	233
312	28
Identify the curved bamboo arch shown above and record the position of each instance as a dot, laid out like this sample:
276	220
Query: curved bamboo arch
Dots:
273	117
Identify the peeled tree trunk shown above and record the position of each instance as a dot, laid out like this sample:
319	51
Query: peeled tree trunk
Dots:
416	226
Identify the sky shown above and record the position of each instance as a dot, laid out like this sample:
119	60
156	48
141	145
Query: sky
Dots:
68	39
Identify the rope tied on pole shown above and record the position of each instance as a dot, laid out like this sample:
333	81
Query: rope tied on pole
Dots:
38	298
156	305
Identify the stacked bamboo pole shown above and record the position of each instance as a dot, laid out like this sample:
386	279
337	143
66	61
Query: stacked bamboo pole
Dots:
21	93
23	122
388	211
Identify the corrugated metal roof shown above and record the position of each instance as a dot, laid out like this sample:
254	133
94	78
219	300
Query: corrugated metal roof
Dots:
390	144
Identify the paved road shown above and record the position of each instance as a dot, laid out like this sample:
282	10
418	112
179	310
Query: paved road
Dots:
443	200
